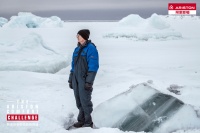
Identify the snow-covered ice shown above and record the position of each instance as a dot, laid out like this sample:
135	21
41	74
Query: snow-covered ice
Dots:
155	21
29	20
136	28
3	21
132	104
132	20
123	62
30	53
119	106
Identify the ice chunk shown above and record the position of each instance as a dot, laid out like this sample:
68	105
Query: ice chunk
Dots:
138	29
132	20
29	20
30	54
70	120
143	108
119	106
157	22
3	21
185	118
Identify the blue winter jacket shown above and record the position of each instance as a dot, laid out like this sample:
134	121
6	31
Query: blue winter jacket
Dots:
85	62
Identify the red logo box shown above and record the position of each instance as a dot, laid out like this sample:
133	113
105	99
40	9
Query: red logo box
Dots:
22	117
182	6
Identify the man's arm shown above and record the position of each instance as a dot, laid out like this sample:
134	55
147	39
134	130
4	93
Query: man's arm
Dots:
72	69
93	64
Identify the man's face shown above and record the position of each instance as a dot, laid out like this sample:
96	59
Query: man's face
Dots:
80	39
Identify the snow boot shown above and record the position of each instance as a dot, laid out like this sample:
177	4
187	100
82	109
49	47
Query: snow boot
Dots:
78	124
88	125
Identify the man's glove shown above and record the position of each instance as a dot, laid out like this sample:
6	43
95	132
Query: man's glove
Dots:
70	85
70	80
70	77
88	86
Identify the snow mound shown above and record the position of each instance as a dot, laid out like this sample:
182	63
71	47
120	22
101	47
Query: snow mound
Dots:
30	54
70	120
143	108
157	22
29	20
131	20
135	28
3	21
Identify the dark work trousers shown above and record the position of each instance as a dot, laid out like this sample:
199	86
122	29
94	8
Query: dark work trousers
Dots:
83	101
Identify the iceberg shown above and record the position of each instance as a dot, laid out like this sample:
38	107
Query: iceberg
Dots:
143	108
135	28
29	20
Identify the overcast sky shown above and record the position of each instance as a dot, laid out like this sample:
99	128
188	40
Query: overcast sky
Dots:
88	9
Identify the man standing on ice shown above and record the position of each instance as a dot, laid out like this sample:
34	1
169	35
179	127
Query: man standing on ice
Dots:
85	63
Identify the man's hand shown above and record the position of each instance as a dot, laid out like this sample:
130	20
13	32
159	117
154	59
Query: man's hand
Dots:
70	85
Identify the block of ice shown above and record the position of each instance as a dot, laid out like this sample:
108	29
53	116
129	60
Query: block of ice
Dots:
29	20
143	108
